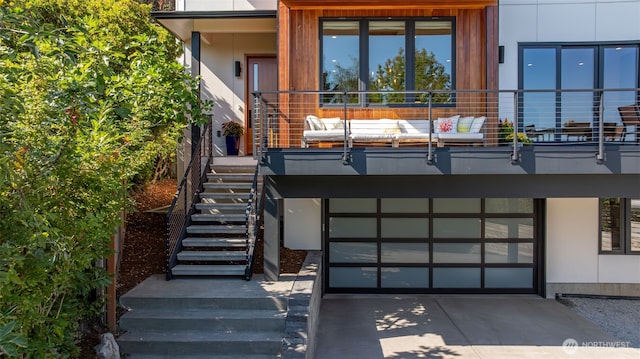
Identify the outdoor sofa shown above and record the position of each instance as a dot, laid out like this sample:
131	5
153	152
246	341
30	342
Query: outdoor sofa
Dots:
454	130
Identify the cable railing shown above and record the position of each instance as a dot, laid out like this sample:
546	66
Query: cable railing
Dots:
254	219
179	215
434	119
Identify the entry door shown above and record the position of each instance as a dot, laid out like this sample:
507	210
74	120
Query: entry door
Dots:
440	245
262	76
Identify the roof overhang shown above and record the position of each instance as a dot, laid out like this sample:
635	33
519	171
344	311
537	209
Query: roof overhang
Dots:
386	4
183	23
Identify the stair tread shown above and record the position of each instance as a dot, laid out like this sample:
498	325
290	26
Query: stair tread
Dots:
199	336
208	269
212	216
211	255
203	356
245	185
238	195
206	314
214	242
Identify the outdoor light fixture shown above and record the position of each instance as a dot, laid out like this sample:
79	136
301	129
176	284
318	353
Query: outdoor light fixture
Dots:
238	69
501	54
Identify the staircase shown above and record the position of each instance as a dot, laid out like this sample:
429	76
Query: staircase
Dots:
216	239
219	318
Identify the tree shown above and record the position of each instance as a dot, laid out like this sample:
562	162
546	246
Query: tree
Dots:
90	99
430	75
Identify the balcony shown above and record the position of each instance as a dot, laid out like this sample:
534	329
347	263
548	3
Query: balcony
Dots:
448	132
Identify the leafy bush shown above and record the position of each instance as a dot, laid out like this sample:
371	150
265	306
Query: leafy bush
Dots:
90	100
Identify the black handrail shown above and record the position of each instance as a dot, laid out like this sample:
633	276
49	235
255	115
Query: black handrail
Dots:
254	219
182	207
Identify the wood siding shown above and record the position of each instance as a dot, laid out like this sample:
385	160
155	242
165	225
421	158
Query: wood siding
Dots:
299	68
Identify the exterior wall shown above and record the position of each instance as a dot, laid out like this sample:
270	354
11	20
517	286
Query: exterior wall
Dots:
228	5
573	265
303	224
219	82
547	21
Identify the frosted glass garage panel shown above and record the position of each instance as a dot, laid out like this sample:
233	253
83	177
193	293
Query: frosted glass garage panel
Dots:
508	277
508	252
508	205
520	228
353	205
353	252
456	227
456	277
456	205
353	277
404	227
405	205
456	253
404	277
352	227
404	252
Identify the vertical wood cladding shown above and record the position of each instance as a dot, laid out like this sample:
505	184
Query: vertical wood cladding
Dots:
298	43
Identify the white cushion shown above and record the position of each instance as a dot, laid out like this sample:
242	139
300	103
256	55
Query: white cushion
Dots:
315	123
325	135
414	126
332	123
476	126
447	124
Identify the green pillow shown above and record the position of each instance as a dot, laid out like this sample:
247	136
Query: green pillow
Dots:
464	124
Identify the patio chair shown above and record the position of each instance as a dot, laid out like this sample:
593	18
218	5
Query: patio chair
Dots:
630	118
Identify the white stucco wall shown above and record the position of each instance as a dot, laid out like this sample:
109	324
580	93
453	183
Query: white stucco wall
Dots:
572	246
229	5
219	81
562	21
303	223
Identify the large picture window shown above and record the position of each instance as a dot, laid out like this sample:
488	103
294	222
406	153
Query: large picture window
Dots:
619	226
390	55
575	67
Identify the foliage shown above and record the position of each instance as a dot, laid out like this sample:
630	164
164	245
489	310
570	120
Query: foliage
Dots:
505	134
431	75
232	128
90	99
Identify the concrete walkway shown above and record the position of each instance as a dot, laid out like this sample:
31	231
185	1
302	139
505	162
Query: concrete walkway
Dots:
458	327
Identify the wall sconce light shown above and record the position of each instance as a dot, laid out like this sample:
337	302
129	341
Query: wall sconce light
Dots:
501	54
238	69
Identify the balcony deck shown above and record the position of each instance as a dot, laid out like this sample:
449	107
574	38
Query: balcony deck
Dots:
522	134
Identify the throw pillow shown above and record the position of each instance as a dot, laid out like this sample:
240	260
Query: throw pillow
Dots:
464	124
448	124
476	126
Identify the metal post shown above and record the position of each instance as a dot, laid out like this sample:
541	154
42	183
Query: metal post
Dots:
514	155
345	152
431	129
600	155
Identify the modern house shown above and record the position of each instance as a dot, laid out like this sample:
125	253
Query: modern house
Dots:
432	146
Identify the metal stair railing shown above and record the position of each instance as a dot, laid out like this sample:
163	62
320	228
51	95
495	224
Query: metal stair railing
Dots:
254	219
182	207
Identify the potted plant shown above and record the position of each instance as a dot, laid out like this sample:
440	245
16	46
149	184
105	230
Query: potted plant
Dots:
232	132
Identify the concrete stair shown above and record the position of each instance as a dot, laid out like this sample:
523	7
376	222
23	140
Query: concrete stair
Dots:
206	318
217	236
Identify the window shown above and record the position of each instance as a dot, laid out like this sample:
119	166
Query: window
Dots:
379	55
619	226
575	67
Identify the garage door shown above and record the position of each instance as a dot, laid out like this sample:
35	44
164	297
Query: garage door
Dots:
439	245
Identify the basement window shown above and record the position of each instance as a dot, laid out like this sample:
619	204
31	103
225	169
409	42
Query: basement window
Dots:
619	226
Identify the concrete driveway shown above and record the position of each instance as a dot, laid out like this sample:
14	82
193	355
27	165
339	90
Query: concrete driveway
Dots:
459	327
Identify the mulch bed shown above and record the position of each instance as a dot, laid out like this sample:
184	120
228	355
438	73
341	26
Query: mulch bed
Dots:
143	251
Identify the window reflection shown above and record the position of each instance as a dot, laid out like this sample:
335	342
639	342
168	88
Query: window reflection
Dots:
387	62
433	59
539	73
340	59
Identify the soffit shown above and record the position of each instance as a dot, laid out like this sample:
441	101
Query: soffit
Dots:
181	23
389	4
